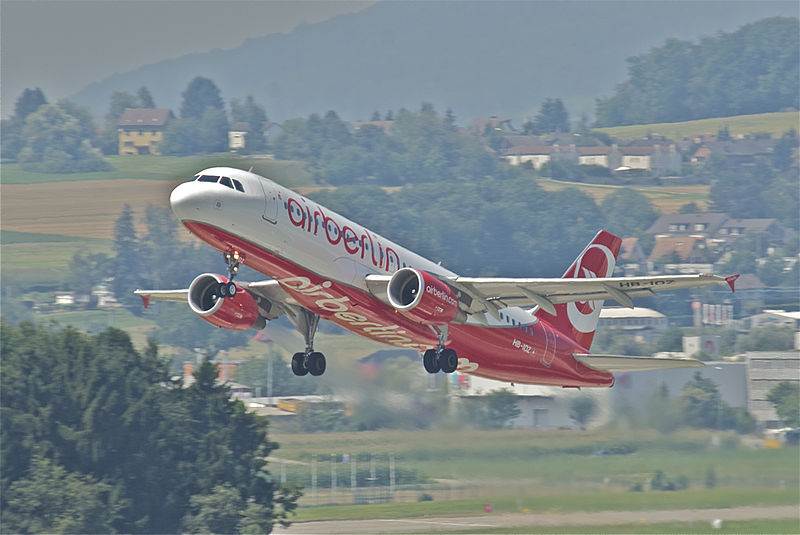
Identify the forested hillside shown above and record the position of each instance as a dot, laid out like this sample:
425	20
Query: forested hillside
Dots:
752	70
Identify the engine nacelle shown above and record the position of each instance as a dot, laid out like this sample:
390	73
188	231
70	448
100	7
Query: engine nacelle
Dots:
236	313
422	297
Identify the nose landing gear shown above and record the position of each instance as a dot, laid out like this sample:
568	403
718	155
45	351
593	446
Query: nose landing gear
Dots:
228	289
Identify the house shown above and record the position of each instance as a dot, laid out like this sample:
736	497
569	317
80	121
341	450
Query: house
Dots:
237	136
383	125
644	323
765	369
141	130
540	155
653	158
735	151
685	249
702	225
482	126
609	157
766	228
771	317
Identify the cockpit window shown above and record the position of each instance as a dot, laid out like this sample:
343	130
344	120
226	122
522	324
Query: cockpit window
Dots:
224	180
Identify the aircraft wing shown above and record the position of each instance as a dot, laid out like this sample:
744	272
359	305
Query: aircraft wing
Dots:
624	363
548	292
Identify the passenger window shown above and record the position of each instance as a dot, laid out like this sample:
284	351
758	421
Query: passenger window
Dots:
225	181
208	178
238	185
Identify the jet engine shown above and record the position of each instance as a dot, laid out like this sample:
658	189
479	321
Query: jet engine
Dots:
237	313
423	298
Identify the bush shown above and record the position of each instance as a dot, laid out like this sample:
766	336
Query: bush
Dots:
425	497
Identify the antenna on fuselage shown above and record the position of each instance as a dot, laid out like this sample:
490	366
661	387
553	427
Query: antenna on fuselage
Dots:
250	170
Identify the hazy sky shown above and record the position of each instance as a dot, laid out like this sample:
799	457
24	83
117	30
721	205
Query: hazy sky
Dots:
63	45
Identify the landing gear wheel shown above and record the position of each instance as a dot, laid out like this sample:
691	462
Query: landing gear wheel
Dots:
430	361
299	365
316	364
222	290
230	289
448	360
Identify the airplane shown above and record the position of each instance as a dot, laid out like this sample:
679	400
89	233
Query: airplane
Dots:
323	266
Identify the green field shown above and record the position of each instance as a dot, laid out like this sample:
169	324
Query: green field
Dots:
41	262
561	502
735	526
288	173
771	123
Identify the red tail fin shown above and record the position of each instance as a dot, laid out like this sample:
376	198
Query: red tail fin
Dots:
579	320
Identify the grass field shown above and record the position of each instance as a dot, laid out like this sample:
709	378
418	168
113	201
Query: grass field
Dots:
560	502
772	123
169	168
736	526
666	199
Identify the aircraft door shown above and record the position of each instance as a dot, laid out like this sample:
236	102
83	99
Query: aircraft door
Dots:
270	201
549	353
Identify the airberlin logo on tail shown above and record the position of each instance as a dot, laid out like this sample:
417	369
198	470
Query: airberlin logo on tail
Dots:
583	315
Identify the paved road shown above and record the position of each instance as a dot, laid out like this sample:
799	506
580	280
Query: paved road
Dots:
511	520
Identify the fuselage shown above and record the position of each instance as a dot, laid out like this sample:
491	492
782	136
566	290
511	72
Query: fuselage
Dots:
322	259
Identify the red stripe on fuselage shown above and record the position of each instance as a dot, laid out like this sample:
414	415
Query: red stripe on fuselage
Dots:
515	354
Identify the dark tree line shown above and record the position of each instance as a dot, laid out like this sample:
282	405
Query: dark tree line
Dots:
755	69
418	147
96	438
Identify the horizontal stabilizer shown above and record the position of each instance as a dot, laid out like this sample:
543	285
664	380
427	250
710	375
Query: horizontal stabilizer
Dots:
623	363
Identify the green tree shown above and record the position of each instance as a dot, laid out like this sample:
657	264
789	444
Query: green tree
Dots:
767	338
145	98
701	403
552	117
217	512
127	266
212	134
670	340
502	408
28	102
109	413
86	270
582	409
629	213
785	397
49	499
200	94
57	138
254	115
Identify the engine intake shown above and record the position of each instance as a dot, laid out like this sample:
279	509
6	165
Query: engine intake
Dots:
422	297
237	313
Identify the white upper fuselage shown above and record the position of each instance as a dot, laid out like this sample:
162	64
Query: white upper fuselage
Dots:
293	227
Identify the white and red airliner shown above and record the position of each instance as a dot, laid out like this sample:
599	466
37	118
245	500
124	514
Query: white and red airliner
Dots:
324	266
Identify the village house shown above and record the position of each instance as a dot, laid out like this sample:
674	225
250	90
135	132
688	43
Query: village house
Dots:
540	155
141	130
609	157
735	151
654	158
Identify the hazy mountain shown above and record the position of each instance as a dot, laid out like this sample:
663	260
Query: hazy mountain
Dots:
477	58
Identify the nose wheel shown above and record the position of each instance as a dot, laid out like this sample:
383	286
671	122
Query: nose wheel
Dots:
228	289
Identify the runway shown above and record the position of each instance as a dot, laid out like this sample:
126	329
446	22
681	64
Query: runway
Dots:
520	520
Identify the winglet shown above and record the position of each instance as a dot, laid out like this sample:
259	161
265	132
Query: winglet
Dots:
145	300
731	279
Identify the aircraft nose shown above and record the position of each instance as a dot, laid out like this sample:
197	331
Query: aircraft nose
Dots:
183	200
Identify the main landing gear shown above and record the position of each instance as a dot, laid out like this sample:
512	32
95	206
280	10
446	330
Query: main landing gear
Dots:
228	289
440	359
309	361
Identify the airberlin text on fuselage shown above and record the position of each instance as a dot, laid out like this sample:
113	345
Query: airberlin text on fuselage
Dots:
338	307
302	216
